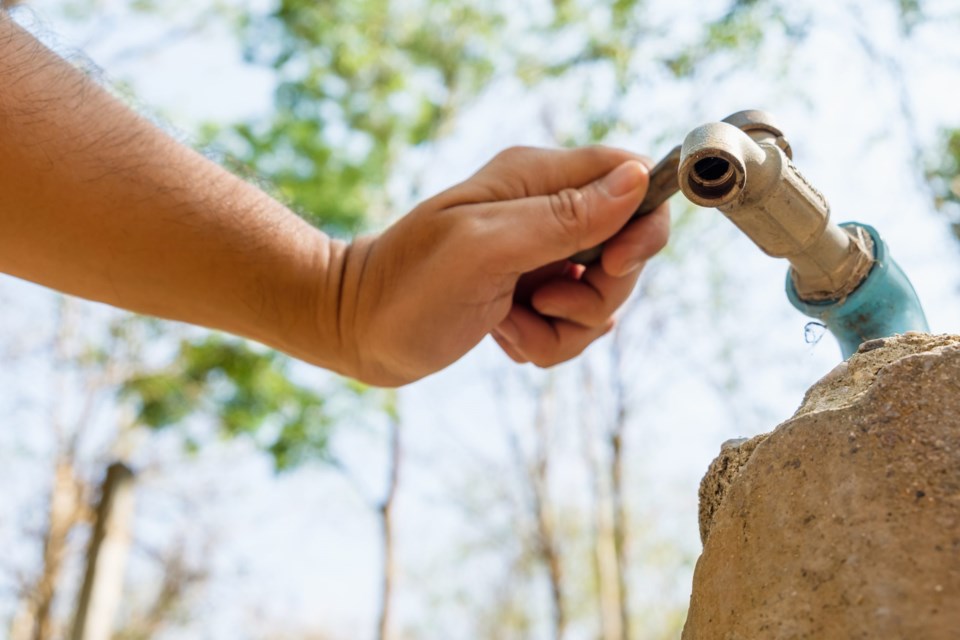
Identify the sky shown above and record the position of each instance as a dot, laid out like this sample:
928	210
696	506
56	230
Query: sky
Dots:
300	550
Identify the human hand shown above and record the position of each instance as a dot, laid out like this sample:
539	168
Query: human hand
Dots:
489	256
155	228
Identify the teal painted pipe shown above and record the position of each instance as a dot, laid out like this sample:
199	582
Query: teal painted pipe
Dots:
884	303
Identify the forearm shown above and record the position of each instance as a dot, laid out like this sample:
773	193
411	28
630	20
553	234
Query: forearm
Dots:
97	202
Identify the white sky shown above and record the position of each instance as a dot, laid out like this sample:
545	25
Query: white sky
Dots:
301	549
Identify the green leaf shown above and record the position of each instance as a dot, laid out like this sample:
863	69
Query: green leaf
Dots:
245	390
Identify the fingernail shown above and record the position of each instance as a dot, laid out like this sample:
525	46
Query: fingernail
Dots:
509	331
544	309
623	179
552	312
636	265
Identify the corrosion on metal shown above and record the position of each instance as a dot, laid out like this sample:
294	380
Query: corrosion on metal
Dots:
664	179
748	176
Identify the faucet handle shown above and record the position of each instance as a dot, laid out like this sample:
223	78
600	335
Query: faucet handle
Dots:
756	120
663	184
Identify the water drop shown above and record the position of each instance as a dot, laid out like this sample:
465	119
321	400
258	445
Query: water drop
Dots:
813	331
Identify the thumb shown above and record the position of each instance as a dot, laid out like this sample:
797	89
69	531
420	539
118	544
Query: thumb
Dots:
529	233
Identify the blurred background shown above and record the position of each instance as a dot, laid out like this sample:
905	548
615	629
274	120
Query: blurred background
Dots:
253	497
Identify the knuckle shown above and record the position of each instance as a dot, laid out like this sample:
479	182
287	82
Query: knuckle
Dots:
544	363
443	225
470	224
591	313
596	318
661	243
571	211
514	154
604	155
547	358
598	150
660	235
540	357
598	309
665	237
554	359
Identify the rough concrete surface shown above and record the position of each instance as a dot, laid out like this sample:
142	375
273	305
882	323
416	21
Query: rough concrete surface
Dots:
844	522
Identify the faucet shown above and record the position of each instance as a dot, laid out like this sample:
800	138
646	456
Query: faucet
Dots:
842	275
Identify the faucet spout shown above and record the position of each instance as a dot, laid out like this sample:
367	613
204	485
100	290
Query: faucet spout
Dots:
751	180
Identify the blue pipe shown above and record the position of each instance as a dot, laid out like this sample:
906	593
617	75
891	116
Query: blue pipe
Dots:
885	303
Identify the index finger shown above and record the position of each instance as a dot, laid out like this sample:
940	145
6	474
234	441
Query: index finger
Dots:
524	172
637	242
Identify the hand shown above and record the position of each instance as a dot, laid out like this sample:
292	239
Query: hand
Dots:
489	257
96	202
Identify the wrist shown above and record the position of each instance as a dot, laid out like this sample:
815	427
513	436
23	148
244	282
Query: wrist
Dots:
327	308
350	314
308	282
311	302
344	313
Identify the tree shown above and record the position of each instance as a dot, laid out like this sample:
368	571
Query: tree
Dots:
359	82
943	176
361	86
337	90
245	389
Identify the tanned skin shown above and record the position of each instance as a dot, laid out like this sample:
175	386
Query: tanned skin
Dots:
97	202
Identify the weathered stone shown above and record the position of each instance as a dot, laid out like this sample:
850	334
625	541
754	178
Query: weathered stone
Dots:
844	522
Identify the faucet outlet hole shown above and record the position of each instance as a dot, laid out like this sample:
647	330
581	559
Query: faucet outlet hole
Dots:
710	169
712	178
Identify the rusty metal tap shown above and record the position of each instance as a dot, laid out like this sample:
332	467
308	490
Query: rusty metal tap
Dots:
664	179
748	175
742	166
842	275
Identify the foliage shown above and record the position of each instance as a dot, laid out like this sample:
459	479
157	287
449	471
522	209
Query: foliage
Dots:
742	28
358	81
943	177
244	389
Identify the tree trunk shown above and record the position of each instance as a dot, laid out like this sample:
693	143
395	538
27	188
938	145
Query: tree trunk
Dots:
385	510
548	545
604	562
107	557
550	555
607	574
620	528
621	525
65	512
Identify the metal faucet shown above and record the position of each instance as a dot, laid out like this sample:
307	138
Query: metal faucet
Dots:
840	274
